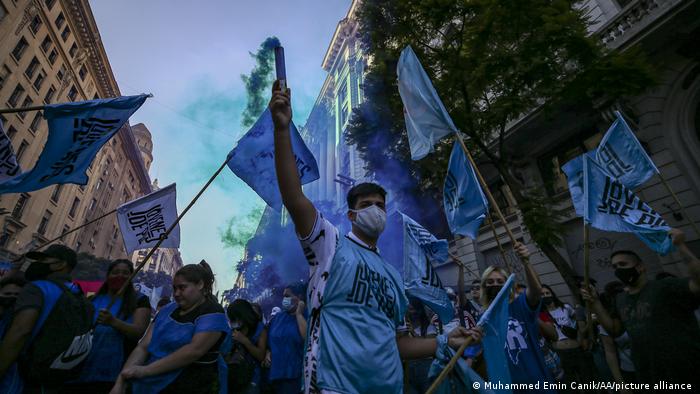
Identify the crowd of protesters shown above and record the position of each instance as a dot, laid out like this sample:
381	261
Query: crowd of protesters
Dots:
349	329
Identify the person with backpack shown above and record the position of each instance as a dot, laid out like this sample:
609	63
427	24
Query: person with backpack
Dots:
51	332
117	330
181	350
244	373
10	287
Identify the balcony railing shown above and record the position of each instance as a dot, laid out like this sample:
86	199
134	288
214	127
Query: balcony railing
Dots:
632	19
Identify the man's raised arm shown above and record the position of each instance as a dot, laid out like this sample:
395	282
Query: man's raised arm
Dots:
301	210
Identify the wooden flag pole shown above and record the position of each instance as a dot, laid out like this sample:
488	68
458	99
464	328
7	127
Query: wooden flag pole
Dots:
586	274
449	366
164	236
675	198
486	189
498	242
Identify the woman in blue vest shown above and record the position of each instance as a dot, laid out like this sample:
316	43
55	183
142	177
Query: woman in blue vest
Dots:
117	331
525	360
284	336
181	351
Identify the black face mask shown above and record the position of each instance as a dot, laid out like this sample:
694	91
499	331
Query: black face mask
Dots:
627	275
7	302
492	291
37	271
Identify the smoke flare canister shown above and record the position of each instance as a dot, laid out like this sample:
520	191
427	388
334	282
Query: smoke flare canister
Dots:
280	68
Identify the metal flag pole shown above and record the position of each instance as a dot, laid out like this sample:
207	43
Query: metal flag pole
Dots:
449	366
498	242
586	275
21	109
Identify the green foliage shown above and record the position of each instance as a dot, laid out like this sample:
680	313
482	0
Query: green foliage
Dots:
90	268
491	61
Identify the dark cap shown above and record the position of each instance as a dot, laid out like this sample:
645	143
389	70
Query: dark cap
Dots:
59	252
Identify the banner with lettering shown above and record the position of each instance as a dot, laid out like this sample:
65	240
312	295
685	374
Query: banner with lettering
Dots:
427	120
622	156
144	220
420	251
610	206
253	160
77	131
464	202
9	167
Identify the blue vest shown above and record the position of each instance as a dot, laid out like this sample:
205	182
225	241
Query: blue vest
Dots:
363	304
11	382
168	336
107	356
286	347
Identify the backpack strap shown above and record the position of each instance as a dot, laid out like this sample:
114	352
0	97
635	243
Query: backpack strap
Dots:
51	295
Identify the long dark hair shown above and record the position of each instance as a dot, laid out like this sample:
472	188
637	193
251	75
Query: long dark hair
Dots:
555	299
195	273
129	296
421	315
243	311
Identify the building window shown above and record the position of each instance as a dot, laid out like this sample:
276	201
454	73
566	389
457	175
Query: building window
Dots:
19	207
39	80
73	93
22	148
26	103
4	75
15	96
36	24
49	94
93	202
74	207
49	4
52	59
125	196
82	73
31	68
36	122
73	49
98	184
6	236
19	49
61	72
56	193
115	234
60	19
46	44
11	132
44	222
3	13
66	229
65	34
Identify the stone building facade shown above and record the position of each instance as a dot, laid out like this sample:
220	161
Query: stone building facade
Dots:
51	52
666	120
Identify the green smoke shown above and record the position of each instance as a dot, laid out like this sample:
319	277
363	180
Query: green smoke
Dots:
259	81
239	229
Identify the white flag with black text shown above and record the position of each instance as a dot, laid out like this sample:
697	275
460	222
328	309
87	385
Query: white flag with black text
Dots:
143	221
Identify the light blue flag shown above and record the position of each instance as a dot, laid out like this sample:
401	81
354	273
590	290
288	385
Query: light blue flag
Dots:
622	156
574	175
9	167
427	120
610	206
420	251
77	131
494	323
253	160
464	202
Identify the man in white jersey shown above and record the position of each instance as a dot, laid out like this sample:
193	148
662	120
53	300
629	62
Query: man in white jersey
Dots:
356	298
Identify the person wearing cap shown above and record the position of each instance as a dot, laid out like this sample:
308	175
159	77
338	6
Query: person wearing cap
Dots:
34	304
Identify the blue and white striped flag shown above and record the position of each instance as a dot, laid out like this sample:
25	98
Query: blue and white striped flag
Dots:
77	131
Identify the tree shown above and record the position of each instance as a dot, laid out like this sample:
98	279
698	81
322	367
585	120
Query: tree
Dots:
90	268
491	61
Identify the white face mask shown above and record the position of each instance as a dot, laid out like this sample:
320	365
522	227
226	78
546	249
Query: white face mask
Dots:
287	304
236	325
370	220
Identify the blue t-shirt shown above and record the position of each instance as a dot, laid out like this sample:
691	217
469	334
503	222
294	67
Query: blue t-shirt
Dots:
525	359
286	346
